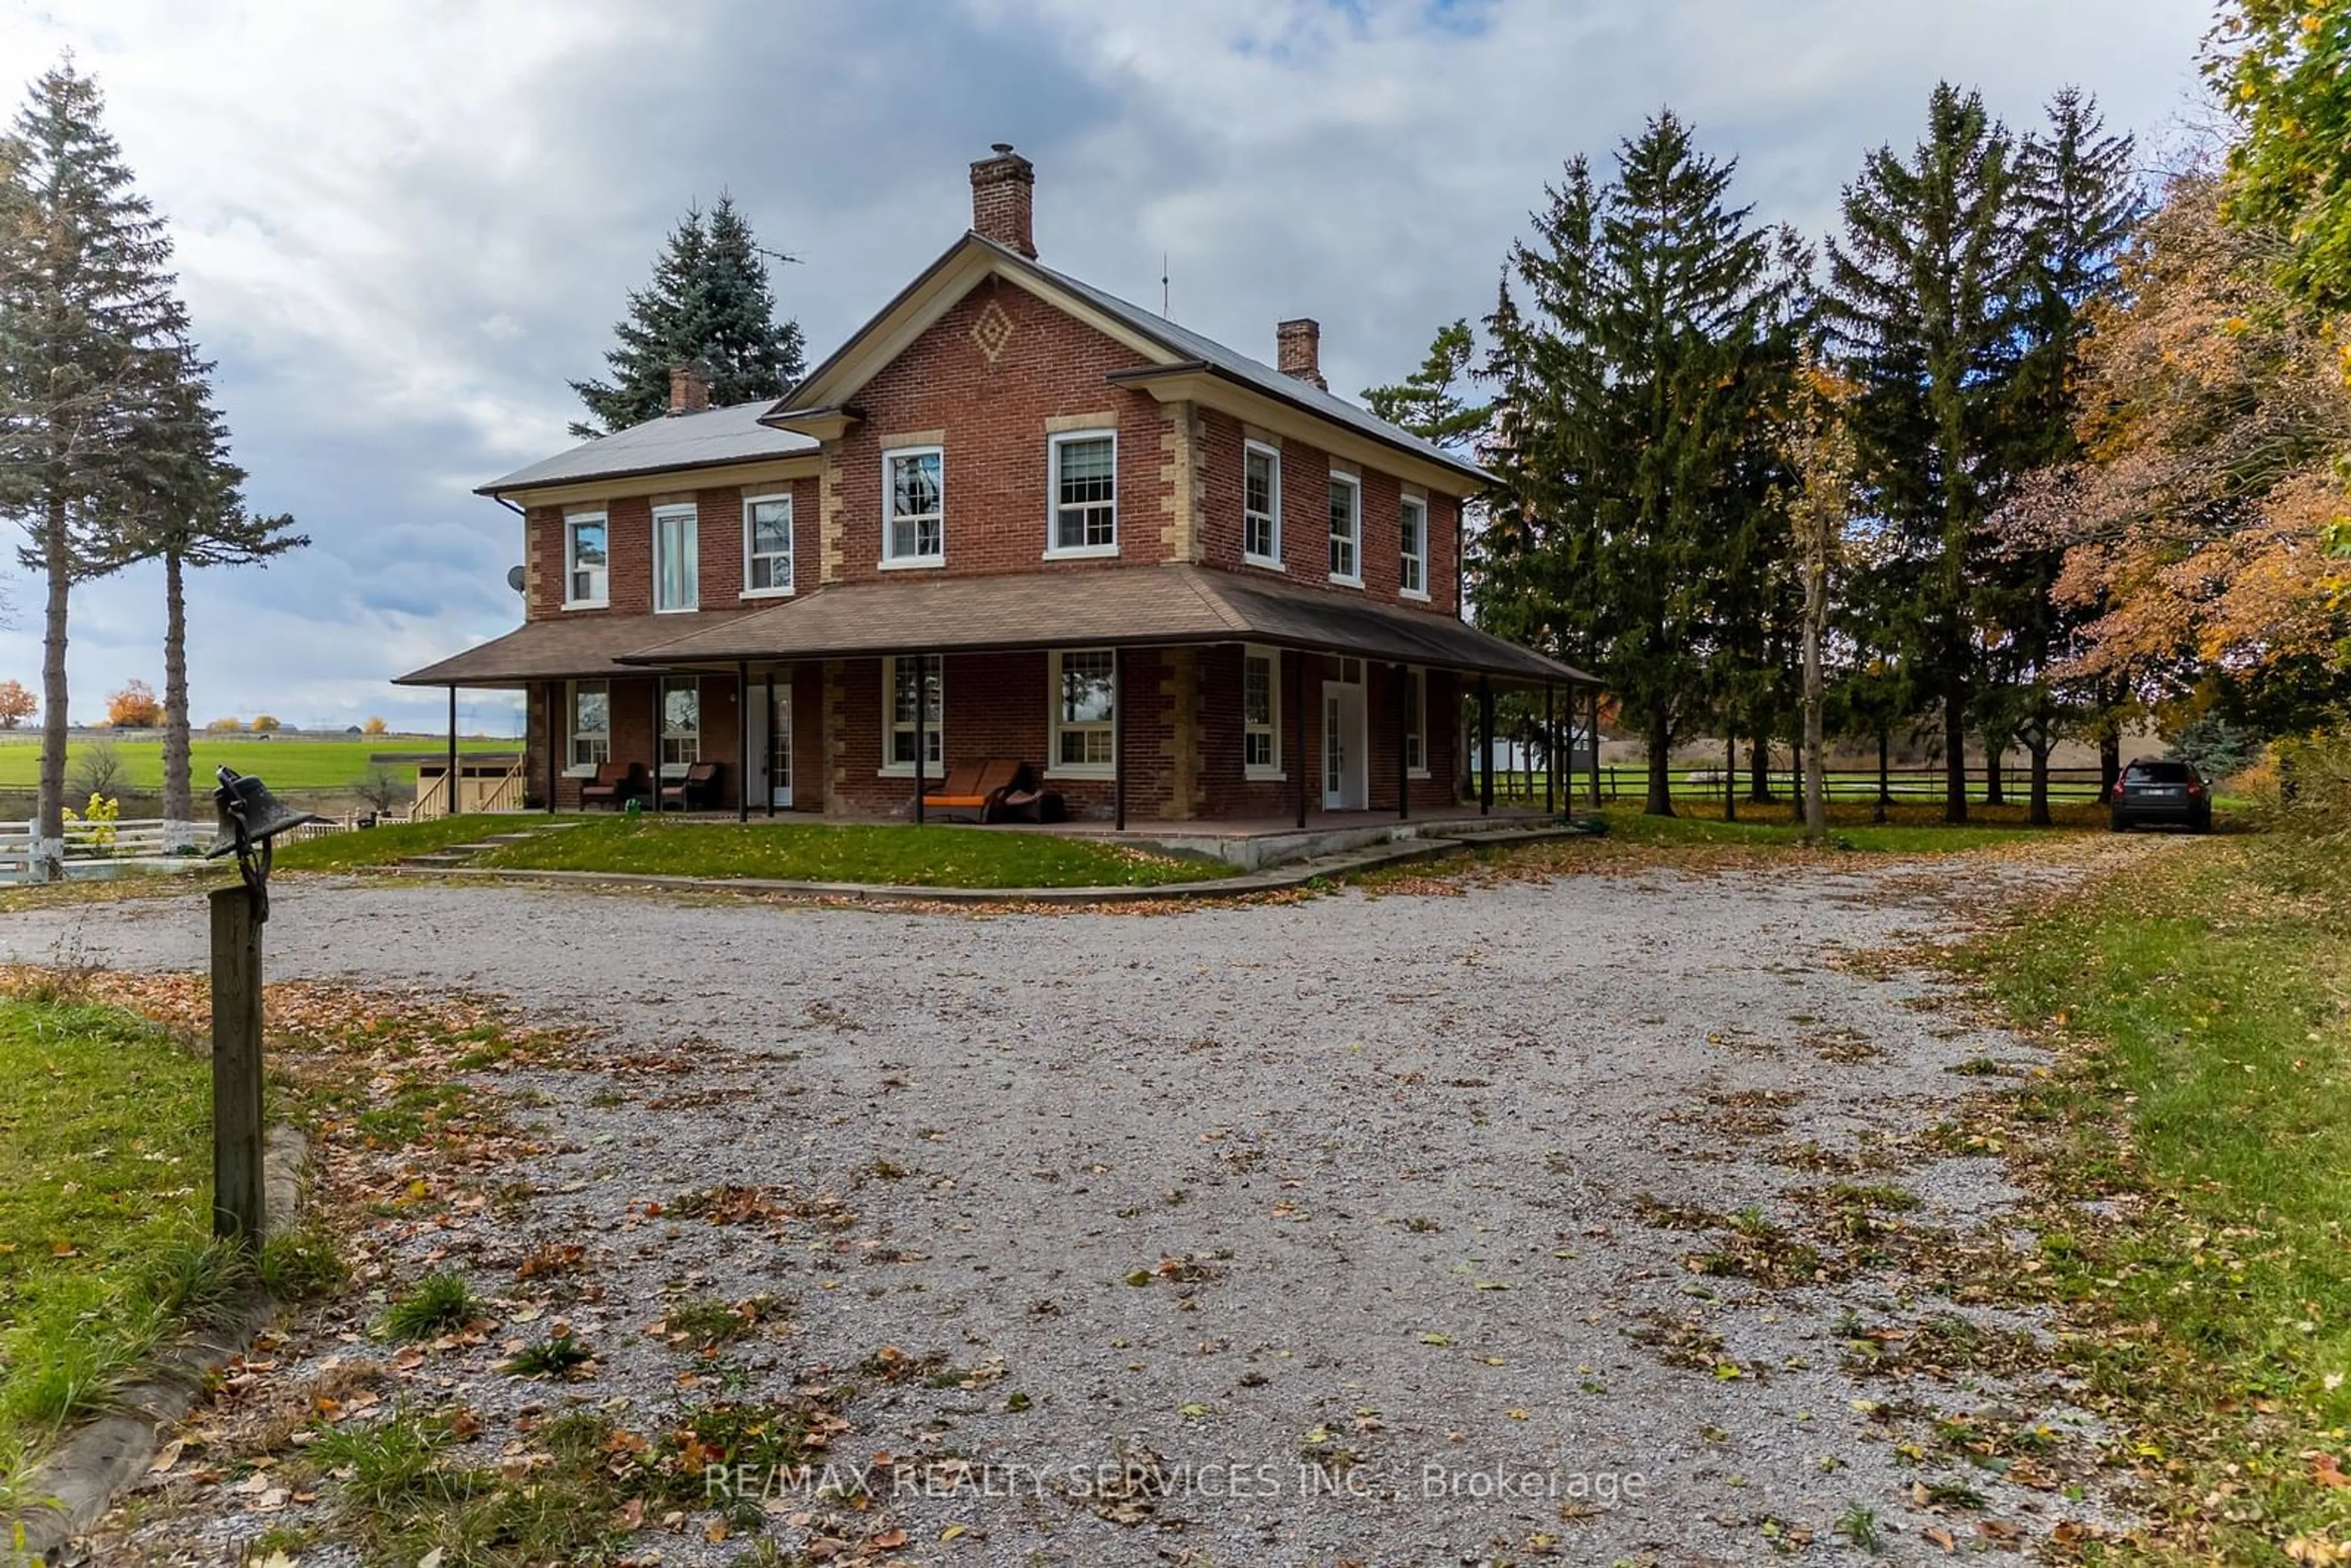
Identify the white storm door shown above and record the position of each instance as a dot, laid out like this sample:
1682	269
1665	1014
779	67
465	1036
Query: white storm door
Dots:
1344	779
779	748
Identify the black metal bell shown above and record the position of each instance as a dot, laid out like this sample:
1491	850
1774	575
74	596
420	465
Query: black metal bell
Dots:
245	800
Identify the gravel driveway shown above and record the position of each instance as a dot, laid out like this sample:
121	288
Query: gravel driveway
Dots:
1394	1230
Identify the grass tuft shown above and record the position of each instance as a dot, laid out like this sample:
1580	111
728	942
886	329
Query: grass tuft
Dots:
439	1304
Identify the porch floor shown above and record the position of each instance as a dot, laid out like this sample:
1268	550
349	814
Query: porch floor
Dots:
1251	842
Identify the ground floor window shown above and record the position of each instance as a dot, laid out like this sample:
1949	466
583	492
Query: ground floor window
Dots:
1415	721
900	681
681	722
591	724
1260	713
1085	710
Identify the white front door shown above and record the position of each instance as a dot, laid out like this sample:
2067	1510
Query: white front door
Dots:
770	745
1346	776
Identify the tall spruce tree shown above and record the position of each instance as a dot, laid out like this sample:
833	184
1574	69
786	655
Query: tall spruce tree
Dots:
92	344
710	301
197	518
1652	301
2080	199
1925	303
1434	402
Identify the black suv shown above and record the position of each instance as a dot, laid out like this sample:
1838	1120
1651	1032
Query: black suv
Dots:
2161	789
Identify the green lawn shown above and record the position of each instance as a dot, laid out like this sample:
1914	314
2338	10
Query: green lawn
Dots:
1910	828
105	1203
2206	1078
289	763
893	855
394	840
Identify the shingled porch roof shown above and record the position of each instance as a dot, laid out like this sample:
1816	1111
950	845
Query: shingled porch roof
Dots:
1132	607
565	647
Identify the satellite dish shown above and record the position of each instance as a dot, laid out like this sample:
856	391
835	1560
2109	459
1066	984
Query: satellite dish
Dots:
514	577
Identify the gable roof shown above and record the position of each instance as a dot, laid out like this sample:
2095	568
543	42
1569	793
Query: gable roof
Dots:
734	433
1176	348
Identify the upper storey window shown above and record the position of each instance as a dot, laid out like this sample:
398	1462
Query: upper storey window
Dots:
914	500
767	545
1085	494
677	567
1412	579
1262	505
585	569
1347	529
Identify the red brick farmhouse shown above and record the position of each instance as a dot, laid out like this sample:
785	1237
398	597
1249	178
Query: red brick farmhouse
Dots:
1012	517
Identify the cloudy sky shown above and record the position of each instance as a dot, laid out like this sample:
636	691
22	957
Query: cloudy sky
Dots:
404	225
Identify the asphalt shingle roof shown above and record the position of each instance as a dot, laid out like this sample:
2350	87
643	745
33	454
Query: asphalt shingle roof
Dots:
1190	345
571	646
1134	606
729	435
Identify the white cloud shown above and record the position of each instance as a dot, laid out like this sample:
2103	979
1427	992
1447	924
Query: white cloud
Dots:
401	227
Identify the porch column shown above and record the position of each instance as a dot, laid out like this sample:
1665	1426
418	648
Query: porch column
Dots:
555	690
767	696
655	744
743	741
1118	737
1484	745
1551	752
450	776
922	727
1404	773
1298	726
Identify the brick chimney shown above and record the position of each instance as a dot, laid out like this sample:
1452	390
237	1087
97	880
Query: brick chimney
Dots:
1297	350
689	387
1003	194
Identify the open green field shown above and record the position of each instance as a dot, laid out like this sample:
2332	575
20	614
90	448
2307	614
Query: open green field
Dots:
289	763
896	855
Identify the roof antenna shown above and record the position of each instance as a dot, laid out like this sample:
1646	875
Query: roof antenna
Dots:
1163	288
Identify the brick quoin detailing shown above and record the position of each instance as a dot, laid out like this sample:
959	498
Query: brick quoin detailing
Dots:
989	360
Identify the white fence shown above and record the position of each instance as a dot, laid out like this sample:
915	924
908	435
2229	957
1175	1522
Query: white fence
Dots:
133	838
90	845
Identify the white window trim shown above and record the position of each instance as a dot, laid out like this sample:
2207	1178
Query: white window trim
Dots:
1418	676
678	770
571	567
673	510
889	769
1271	772
913	562
792	550
1421	592
1270	562
1053	497
571	732
1354	484
1054	766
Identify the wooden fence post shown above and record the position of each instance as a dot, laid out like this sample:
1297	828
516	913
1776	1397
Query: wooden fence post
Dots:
236	1067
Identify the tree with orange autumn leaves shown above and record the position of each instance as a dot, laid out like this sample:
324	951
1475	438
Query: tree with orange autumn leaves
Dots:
2197	521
